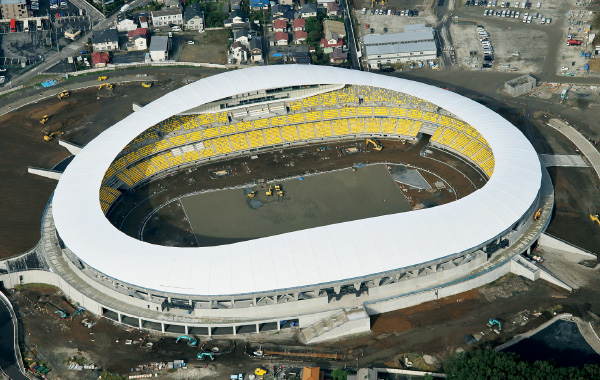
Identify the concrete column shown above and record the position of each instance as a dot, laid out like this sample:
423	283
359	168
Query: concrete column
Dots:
257	328
162	327
191	303
233	304
234	330
254	301
209	331
278	325
337	289
119	317
140	323
169	299
356	286
186	330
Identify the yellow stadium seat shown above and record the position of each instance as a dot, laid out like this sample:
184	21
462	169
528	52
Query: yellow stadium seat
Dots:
312	116
404	127
289	133
177	140
222	145
323	129
372	125
238	141
460	142
398	112
356	125
191	156
243	126
132	157
175	160
146	150
272	136
437	134
306	131
414	114
278	120
331	114
381	111
415	128
296	118
364	111
348	112
161	145
388	125
209	152
210	133
255	139
340	127
226	129
261	123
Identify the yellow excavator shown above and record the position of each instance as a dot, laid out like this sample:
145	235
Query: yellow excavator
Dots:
44	119
107	85
100	79
146	84
64	94
252	194
594	219
376	145
537	214
270	191
49	136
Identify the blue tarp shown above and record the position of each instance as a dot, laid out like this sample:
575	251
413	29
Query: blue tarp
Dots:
48	83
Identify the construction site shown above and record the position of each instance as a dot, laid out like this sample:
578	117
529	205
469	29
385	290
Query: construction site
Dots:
434	329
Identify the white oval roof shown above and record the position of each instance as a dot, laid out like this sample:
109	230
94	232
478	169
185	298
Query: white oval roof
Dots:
301	258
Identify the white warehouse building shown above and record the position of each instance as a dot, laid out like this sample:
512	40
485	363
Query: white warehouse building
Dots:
417	43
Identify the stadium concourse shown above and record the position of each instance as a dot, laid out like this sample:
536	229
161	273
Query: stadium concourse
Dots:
326	280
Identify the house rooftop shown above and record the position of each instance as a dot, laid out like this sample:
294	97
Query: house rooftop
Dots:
104	36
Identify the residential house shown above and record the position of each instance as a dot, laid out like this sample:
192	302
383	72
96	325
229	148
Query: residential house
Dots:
193	17
159	48
281	38
105	40
282	12
143	22
259	4
279	25
299	24
137	39
14	9
323	3
242	36
255	50
167	17
126	25
312	373
236	5
337	56
236	17
331	41
308	10
286	2
100	59
172	4
300	36
238	53
333	9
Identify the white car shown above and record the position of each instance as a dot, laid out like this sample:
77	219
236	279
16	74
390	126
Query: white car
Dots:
190	42
564	68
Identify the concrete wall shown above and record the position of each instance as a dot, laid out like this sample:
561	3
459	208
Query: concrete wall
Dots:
358	326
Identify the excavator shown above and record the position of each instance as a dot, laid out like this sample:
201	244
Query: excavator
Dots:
64	94
594	219
107	85
252	194
537	214
493	322
49	136
270	191
192	342
44	119
376	145
204	355
100	79
146	84
260	372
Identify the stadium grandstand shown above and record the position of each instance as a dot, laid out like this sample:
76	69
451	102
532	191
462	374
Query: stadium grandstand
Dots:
325	281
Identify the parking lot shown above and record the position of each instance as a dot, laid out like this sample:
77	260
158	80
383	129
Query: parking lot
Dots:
388	23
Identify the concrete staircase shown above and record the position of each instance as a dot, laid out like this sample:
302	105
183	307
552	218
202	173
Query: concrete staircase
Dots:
345	322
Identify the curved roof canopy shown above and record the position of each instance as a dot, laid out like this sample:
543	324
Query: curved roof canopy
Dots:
313	256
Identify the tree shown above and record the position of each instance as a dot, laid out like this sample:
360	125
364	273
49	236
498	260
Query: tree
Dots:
339	374
215	19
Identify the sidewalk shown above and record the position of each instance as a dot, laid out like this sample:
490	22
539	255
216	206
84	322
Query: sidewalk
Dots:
583	144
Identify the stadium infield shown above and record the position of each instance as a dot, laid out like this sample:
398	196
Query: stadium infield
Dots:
316	200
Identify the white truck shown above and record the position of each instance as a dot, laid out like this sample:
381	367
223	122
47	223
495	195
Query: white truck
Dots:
124	8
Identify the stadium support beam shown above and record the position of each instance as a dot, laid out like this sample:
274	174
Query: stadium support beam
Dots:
52	174
72	148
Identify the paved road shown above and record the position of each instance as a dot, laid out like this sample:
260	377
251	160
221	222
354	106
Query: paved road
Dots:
9	362
583	144
70	49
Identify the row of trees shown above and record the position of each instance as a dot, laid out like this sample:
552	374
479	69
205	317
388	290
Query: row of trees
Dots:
491	364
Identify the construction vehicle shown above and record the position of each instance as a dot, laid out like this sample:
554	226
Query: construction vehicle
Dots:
252	194
100	79
260	372
321	149
146	84
79	311
376	145
44	119
49	136
594	219
204	355
537	214
280	193
107	85
278	188
270	191
61	314
64	94
192	342
493	322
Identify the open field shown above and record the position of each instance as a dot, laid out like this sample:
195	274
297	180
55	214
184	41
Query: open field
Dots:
315	201
208	47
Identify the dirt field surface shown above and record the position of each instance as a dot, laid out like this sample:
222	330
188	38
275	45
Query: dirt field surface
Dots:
130	213
208	47
81	117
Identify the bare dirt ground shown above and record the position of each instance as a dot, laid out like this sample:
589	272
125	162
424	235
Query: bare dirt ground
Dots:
208	47
84	115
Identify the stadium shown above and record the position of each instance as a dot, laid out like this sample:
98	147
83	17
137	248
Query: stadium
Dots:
293	197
